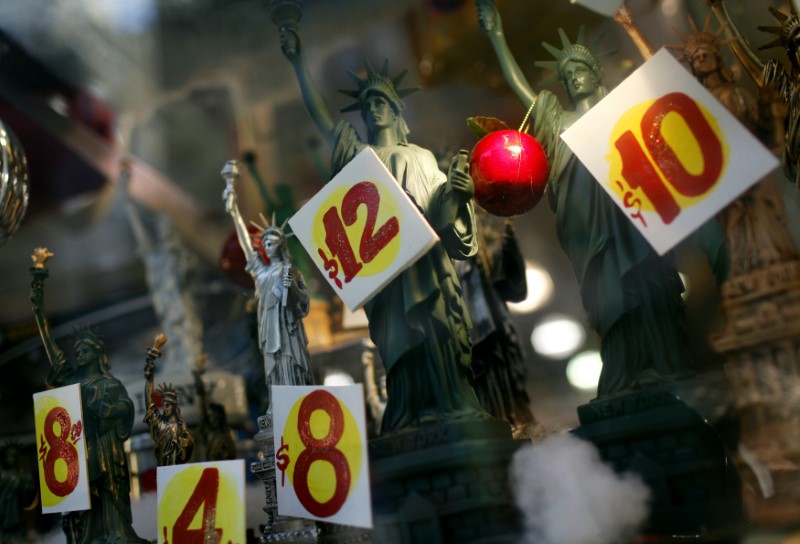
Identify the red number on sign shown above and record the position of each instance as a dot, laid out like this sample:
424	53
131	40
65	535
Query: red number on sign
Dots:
366	193
639	172
59	448
337	242
205	495
321	450
371	243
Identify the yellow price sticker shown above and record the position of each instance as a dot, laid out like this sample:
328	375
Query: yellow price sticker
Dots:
60	434
668	155
366	213
321	454
326	452
666	151
201	502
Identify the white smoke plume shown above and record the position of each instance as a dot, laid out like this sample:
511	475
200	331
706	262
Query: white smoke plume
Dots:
567	495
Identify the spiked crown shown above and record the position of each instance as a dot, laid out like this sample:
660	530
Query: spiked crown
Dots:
266	228
789	26
699	39
89	336
703	39
579	51
378	82
168	393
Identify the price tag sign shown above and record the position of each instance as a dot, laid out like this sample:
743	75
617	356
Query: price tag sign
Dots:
362	229
201	502
667	152
321	454
604	7
60	437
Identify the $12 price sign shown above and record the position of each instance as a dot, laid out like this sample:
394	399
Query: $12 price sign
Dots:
362	229
667	152
60	438
201	502
321	454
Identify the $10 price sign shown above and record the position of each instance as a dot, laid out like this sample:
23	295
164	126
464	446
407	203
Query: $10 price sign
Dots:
362	229
201	502
60	438
321	454
667	152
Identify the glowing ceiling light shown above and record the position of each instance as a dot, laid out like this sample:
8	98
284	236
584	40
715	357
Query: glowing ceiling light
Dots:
583	370
338	377
669	7
540	290
558	337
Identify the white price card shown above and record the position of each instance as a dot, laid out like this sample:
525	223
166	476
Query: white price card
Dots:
667	152
321	454
202	502
362	229
61	443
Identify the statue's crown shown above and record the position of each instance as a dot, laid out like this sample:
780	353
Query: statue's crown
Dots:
88	335
578	51
698	39
789	26
168	393
378	82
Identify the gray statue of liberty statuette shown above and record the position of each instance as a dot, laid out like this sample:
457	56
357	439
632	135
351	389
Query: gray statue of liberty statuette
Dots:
631	294
281	293
168	266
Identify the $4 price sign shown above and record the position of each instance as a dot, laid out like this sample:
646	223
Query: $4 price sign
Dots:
63	481
201	502
362	229
320	452
673	159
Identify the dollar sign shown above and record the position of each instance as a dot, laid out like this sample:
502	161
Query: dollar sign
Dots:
282	460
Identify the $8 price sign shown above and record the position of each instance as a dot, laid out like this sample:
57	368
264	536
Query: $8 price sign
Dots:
201	502
61	450
673	159
320	452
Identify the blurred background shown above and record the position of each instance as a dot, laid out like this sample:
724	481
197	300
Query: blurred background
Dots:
182	86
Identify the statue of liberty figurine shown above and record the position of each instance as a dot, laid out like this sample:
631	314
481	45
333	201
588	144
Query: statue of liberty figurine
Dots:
280	291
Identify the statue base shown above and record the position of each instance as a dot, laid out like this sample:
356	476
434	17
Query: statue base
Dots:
444	482
278	528
696	489
769	460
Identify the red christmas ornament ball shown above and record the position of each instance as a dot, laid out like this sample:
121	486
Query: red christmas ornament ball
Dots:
510	171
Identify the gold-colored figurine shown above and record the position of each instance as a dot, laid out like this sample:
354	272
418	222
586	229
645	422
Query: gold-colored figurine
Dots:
173	443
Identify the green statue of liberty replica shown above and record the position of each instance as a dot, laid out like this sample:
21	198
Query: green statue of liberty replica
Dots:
108	420
632	295
418	322
435	435
639	421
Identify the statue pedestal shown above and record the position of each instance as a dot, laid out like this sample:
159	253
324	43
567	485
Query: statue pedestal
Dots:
695	487
445	482
278	528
